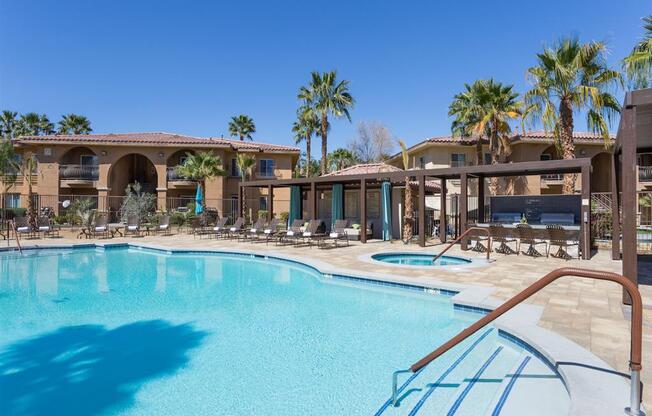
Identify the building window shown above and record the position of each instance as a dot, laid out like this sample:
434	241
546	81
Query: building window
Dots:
262	203
422	162
458	159
487	158
12	201
234	167
88	160
266	167
545	156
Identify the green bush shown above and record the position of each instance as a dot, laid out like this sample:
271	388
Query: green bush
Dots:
177	218
262	213
283	217
61	219
11	213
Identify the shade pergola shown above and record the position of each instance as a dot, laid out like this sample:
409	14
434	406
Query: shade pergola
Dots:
463	173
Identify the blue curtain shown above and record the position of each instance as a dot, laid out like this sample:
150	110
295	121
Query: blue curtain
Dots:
386	199
295	204
337	211
198	201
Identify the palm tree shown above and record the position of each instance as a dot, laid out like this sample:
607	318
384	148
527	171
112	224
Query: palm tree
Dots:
408	219
29	124
327	96
307	123
571	77
74	124
245	164
201	167
465	108
638	64
8	123
341	158
242	126
45	125
26	167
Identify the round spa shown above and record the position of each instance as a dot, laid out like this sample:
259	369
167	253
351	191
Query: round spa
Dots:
416	259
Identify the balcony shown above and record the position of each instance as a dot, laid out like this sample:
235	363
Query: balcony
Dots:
177	180
645	173
82	173
552	179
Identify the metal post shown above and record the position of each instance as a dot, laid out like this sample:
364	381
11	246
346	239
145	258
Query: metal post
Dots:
615	205
463	207
270	202
586	212
634	408
422	211
443	227
363	211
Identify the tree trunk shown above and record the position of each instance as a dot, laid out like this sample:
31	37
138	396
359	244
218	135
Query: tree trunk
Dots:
31	215
324	142
493	148
308	138
567	144
478	151
244	201
408	219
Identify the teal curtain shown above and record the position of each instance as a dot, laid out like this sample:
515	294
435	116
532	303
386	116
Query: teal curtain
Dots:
337	211
386	200
295	204
199	208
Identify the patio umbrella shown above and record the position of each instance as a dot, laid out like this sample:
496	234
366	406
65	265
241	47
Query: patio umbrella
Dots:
198	201
386	199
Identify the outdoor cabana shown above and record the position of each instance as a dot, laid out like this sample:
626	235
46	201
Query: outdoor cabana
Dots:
420	177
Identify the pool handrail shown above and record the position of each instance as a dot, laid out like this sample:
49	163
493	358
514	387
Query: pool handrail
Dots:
463	235
13	226
636	327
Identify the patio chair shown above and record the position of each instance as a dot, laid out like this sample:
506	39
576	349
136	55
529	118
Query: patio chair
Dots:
527	236
338	232
219	227
198	227
163	225
234	230
559	238
101	227
256	228
46	227
480	240
270	231
23	227
292	233
500	234
312	233
133	225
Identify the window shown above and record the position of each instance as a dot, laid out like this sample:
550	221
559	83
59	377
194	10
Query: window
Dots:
12	201
182	159
487	158
546	156
422	162
266	167
458	159
234	167
262	203
88	160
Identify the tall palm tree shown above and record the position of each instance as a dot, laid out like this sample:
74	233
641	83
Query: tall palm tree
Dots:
8	123
465	108
74	124
242	126
327	96
408	219
245	164
572	77
341	158
201	167
638	64
485	109
29	124
305	126
45	125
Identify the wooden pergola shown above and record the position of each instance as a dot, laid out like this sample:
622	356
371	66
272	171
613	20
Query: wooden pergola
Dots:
463	173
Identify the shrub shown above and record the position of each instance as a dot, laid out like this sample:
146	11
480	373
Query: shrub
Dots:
283	217
262	213
177	218
137	203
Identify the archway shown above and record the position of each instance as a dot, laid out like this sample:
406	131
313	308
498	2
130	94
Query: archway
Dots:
128	169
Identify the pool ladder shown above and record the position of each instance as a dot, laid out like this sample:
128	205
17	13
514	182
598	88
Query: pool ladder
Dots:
634	408
463	235
13	226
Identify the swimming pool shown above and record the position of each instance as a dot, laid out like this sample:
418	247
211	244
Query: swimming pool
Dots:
134	331
415	259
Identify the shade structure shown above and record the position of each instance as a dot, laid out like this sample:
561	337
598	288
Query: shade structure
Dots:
199	208
295	204
338	202
386	200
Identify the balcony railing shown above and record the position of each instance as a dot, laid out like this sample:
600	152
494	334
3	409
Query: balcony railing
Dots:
79	172
555	177
174	176
645	173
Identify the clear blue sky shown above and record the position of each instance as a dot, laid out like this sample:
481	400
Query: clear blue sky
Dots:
188	66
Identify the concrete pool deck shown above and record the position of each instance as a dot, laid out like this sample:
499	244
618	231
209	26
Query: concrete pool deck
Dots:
589	313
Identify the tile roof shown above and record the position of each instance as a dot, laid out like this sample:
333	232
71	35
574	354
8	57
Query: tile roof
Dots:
577	135
164	139
380	167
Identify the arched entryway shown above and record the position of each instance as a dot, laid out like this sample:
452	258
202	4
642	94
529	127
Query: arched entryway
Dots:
129	169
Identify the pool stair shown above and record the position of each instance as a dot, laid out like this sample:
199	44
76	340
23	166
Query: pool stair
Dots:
488	376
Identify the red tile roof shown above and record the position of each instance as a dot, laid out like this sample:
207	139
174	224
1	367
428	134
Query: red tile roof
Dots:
578	135
364	168
159	139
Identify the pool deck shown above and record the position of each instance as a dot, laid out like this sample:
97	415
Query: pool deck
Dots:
587	312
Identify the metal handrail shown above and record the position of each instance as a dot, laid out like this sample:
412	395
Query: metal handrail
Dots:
13	225
441	253
636	327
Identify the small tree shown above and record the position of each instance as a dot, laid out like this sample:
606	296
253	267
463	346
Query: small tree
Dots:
24	167
408	219
245	164
83	209
201	167
137	203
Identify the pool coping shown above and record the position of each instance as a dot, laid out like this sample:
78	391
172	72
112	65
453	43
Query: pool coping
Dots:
593	386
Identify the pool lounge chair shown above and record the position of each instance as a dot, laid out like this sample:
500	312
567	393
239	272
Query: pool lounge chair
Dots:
270	231
23	227
501	235
46	227
234	230
256	228
291	233
338	232
101	227
163	225
526	236
219	228
133	225
559	238
312	233
198	227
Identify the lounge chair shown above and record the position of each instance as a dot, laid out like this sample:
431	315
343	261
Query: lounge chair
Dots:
219	228
270	231
312	233
23	227
338	232
163	225
101	227
133	225
559	237
46	227
256	228
291	233
501	235
480	240
198	227
234	230
526	236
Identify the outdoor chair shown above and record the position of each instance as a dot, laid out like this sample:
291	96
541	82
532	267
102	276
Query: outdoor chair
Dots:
559	238
236	229
133	225
163	225
527	236
23	227
101	227
256	228
46	227
219	227
338	232
500	234
198	227
293	231
480	240
270	231
313	234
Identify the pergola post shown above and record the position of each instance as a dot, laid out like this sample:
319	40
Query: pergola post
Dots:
628	194
240	199
481	217
270	202
463	207
363	211
312	202
615	212
443	227
422	210
586	212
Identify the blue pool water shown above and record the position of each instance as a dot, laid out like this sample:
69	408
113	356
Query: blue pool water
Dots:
412	259
132	331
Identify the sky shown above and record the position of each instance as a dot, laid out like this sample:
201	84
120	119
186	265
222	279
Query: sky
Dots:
188	66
